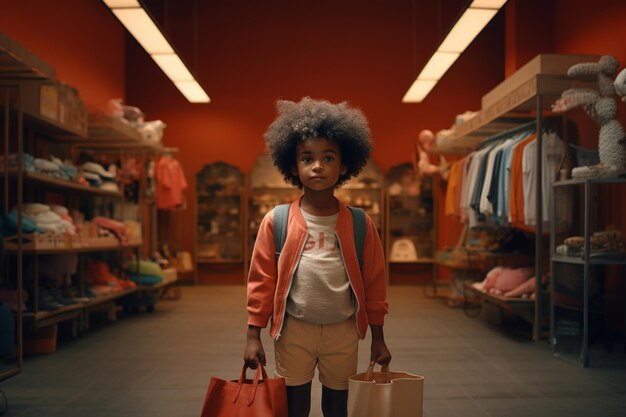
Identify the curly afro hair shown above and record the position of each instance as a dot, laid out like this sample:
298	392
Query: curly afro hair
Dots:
309	118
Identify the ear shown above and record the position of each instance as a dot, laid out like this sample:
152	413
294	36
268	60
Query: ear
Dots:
294	171
343	170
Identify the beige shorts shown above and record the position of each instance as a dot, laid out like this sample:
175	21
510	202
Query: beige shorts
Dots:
302	346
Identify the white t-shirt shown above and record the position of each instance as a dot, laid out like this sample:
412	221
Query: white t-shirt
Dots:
320	292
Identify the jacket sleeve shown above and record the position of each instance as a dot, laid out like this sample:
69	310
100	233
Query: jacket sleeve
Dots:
374	276
262	276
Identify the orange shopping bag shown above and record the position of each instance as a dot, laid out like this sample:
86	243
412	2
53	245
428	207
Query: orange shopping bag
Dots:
260	397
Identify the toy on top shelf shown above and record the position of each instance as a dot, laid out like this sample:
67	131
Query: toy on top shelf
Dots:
424	145
602	108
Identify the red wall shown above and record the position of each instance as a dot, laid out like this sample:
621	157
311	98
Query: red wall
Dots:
248	54
81	39
367	53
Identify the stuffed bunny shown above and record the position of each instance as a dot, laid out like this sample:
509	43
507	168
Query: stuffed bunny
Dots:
602	108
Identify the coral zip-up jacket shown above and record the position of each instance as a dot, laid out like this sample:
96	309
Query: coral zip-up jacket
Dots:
269	281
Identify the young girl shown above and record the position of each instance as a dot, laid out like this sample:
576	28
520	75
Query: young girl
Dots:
317	297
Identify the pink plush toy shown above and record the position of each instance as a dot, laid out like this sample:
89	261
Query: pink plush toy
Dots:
492	276
527	288
501	279
424	145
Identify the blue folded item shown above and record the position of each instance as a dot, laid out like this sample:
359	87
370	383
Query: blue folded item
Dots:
28	226
145	279
69	172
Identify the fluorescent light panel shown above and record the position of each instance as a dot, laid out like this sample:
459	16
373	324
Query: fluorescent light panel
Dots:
419	90
140	25
116	4
438	65
145	31
192	91
173	67
465	30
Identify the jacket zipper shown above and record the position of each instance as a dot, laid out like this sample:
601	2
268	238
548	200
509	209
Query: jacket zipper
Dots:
284	302
356	299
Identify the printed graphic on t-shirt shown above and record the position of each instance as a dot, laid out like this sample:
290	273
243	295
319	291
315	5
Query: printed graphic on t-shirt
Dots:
320	241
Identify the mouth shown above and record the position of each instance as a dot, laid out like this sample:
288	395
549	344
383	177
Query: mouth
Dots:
317	178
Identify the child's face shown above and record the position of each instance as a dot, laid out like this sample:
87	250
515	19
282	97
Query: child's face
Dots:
318	163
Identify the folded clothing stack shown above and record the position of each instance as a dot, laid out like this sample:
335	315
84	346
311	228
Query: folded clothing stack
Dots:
144	272
97	176
39	218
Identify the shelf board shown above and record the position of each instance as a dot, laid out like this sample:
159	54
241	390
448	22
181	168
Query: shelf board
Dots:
498	299
66	185
75	250
112	133
593	261
513	109
44	318
591	181
16	62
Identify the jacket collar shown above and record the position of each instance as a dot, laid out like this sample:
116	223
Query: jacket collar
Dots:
344	219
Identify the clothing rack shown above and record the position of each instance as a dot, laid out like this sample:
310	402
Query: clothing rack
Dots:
530	127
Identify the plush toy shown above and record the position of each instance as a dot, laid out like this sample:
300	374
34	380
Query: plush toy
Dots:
620	85
424	145
601	107
152	131
527	288
133	115
501	280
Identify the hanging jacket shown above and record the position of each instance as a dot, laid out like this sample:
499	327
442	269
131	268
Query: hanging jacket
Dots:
269	281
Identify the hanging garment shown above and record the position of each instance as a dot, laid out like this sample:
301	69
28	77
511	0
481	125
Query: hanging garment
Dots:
171	183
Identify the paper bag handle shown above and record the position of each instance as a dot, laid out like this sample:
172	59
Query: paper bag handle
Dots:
384	369
260	371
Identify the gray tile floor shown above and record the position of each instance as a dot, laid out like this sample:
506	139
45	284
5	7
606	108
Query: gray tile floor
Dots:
159	364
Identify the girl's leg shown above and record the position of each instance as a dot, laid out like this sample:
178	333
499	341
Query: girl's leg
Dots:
299	400
334	402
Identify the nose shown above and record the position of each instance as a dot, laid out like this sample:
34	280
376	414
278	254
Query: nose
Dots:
318	166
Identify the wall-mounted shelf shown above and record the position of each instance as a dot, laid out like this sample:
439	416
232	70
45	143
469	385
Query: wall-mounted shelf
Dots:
48	181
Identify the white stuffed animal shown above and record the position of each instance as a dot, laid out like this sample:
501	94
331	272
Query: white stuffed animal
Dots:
152	131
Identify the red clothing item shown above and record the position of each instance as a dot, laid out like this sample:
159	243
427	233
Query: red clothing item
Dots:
269	281
171	182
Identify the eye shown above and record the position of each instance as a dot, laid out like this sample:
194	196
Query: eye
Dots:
306	159
329	158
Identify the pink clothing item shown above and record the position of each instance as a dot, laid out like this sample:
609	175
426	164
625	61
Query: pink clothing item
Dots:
269	281
118	228
171	183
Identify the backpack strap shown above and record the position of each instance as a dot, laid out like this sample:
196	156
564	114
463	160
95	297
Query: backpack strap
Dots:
281	215
360	229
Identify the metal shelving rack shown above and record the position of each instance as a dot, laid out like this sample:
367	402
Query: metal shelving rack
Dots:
576	336
529	101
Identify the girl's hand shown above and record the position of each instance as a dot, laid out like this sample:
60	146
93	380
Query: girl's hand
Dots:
254	352
380	352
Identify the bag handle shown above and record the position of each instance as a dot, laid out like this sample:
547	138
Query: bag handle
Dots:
260	371
384	369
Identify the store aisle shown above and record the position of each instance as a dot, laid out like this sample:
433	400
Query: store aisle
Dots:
159	364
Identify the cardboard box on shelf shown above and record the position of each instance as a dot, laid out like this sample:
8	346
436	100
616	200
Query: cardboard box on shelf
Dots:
546	64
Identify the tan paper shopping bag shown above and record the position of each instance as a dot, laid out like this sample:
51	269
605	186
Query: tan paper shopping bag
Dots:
385	394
